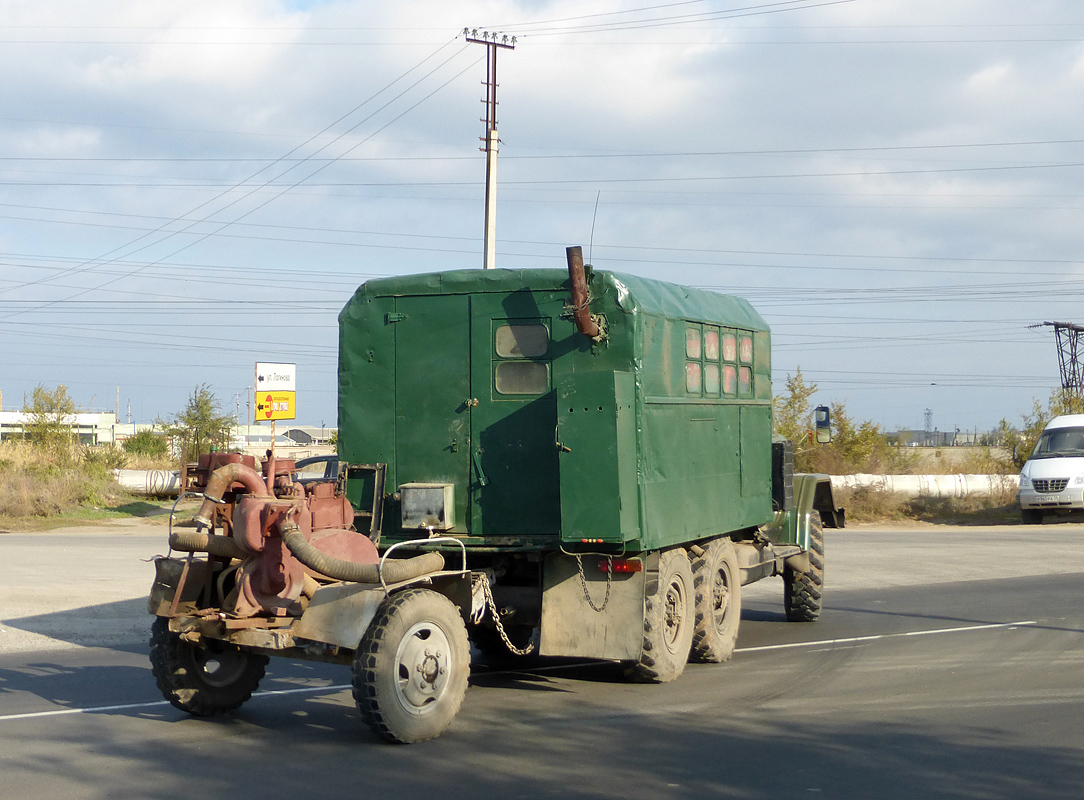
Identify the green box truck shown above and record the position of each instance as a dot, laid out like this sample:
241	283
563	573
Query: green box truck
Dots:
591	454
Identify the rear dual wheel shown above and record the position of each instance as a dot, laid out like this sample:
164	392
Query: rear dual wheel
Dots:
717	581
668	622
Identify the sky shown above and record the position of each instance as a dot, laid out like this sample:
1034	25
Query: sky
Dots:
189	188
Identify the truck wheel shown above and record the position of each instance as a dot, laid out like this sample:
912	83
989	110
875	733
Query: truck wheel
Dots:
204	679
1031	516
717	604
802	590
668	622
411	667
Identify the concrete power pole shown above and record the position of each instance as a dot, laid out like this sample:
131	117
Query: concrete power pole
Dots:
493	42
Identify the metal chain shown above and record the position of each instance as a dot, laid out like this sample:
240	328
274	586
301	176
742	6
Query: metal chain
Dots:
583	583
526	651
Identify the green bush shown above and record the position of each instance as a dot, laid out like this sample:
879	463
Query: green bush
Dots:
855	447
100	461
146	443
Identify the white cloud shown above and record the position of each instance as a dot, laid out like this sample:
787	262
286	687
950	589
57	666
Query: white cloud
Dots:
791	103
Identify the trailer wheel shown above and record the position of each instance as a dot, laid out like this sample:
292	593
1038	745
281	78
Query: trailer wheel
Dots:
1031	516
204	679
717	583
668	622
411	667
802	590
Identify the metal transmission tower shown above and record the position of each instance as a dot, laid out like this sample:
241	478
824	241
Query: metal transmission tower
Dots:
493	42
1067	337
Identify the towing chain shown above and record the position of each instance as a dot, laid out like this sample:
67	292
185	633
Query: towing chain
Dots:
524	651
583	583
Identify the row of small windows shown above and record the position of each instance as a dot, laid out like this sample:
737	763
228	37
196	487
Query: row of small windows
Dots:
705	346
716	361
735	347
706	379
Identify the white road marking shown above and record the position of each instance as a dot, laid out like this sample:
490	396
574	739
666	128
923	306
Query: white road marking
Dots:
127	706
309	689
820	643
875	637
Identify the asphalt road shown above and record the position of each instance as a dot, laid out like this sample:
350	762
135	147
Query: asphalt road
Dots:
949	663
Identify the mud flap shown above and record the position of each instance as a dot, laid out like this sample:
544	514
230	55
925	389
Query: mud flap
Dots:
571	627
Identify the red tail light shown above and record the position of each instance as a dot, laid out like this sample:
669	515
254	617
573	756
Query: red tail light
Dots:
621	565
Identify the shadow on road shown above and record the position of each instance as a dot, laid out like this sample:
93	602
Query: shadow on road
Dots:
121	625
537	752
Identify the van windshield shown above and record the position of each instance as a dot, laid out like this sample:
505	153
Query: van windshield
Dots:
1060	442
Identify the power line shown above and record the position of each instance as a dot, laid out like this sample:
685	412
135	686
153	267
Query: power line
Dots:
170	234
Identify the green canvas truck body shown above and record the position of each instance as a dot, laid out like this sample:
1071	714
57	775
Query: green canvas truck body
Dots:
657	435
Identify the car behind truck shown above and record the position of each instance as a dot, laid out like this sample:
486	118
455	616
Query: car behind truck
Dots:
572	463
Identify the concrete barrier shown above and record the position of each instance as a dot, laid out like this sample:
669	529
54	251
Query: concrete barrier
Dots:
150	482
931	485
164	483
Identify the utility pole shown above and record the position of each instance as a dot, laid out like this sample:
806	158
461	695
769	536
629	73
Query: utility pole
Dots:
493	42
1067	339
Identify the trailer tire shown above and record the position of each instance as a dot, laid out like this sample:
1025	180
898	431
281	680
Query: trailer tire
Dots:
204	679
802	590
717	583
412	666
668	622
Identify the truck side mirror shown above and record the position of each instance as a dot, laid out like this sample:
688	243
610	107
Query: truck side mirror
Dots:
822	424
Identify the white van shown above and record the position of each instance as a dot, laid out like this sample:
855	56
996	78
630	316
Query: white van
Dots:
1052	480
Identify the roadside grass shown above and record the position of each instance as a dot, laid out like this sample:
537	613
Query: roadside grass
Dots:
964	460
43	488
48	487
872	504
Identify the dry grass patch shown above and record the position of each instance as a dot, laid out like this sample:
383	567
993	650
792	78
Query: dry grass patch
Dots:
872	504
37	483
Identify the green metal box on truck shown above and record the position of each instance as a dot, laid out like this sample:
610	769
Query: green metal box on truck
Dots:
655	433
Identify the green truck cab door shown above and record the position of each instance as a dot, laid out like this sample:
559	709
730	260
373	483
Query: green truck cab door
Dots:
597	447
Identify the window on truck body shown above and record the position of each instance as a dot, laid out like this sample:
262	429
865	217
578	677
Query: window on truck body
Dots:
520	366
703	349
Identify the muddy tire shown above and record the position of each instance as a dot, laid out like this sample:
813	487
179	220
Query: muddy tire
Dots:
668	622
411	667
717	602
204	679
1031	516
802	590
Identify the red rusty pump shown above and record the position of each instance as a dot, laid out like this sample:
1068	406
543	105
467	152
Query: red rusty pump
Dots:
288	537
